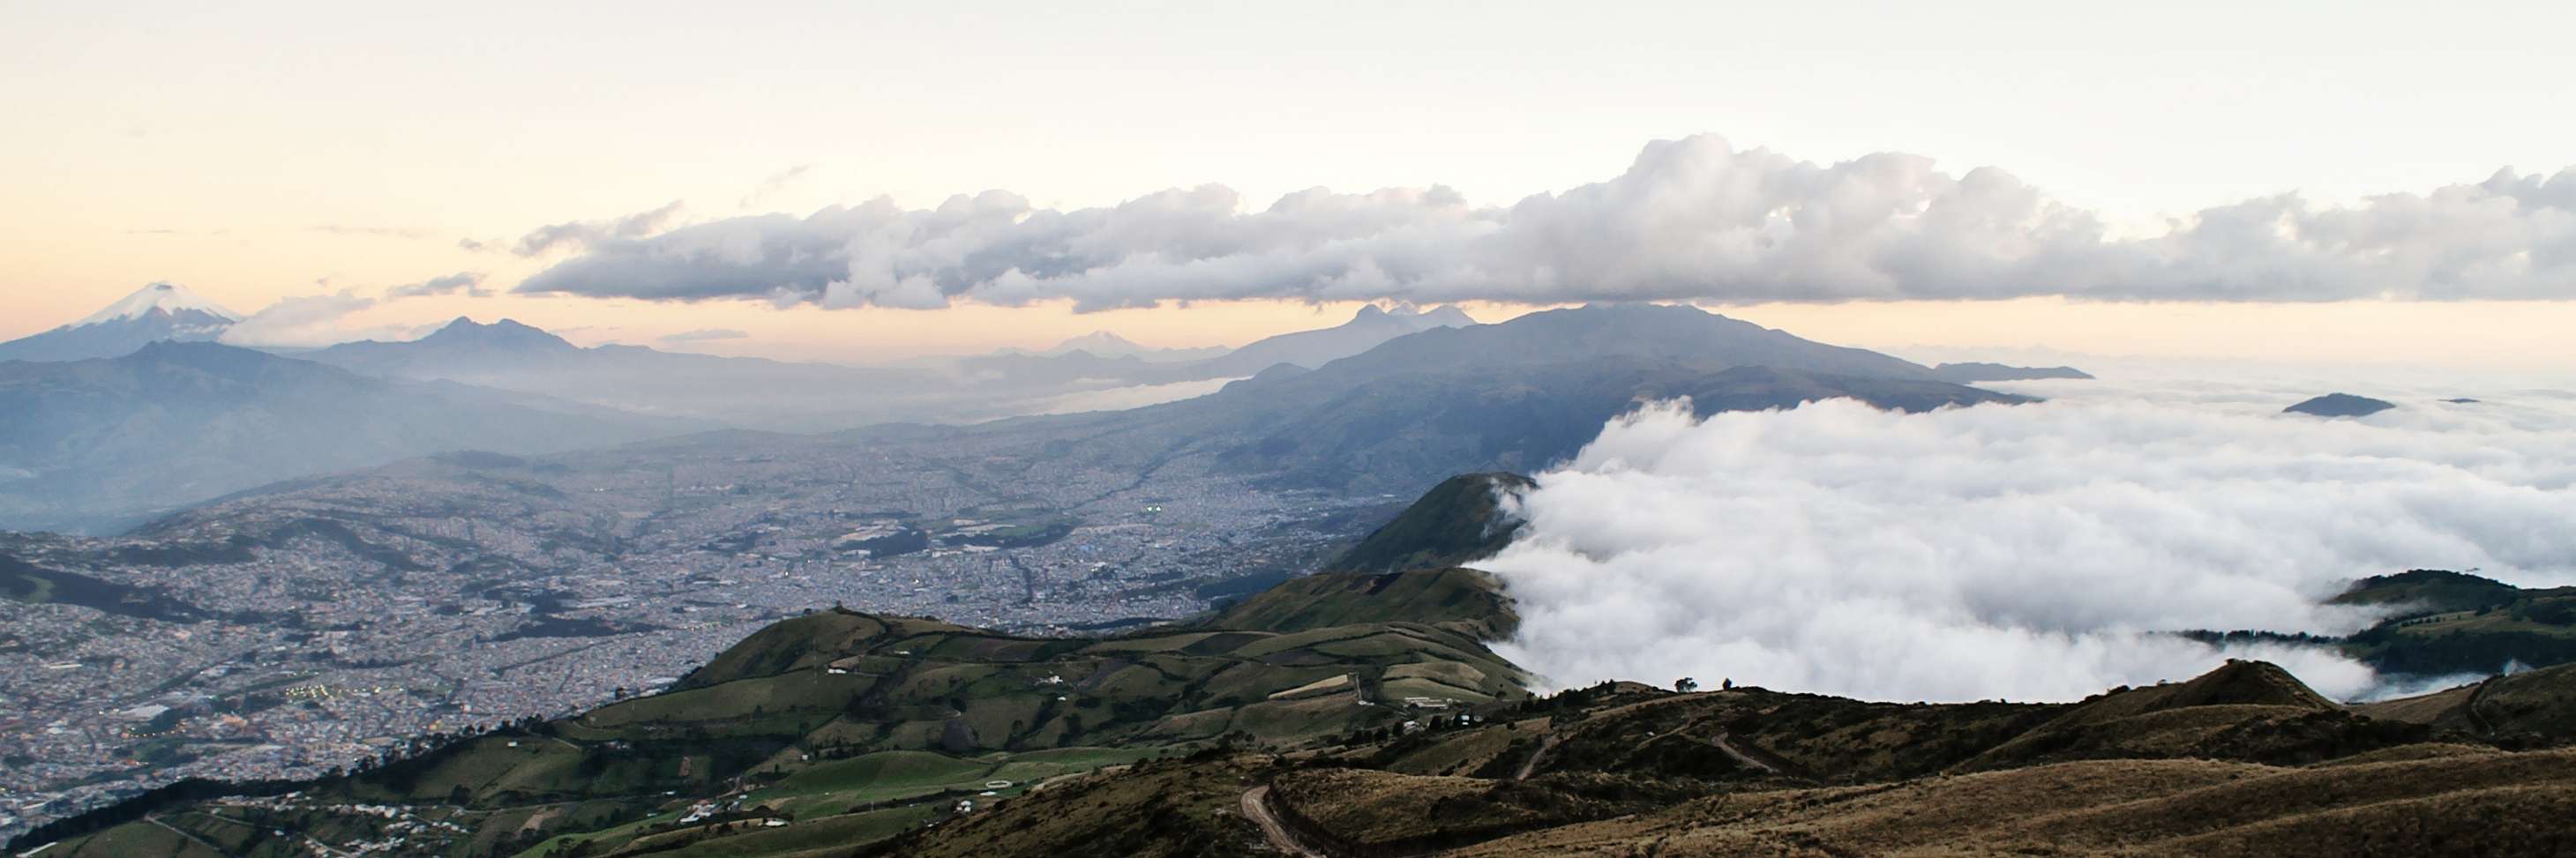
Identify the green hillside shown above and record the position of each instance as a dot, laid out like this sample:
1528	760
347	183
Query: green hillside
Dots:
2449	622
868	725
1465	601
1458	522
2444	623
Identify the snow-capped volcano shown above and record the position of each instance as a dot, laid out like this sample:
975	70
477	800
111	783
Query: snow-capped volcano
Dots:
161	311
170	298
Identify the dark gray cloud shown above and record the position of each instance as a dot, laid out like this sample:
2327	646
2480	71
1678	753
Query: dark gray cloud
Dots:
578	235
1689	219
467	282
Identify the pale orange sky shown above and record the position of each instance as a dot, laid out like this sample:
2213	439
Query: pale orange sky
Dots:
296	148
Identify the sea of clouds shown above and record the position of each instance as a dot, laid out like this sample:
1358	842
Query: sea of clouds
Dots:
2030	552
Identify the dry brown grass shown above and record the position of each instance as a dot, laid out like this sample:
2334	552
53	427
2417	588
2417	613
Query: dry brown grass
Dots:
1383	807
2500	804
1460	752
1154	810
2422	709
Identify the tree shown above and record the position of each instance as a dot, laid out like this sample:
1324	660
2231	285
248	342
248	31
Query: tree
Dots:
1685	685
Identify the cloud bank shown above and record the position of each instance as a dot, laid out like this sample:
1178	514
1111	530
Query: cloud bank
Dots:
582	234
320	319
2028	552
299	320
1690	219
467	282
702	335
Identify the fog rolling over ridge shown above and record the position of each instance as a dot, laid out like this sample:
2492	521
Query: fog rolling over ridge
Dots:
2027	552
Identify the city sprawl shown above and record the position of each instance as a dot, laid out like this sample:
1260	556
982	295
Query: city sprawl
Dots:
289	632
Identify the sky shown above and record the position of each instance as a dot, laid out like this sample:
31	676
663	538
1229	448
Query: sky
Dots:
398	161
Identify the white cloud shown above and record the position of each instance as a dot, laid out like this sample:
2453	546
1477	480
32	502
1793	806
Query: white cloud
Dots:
1692	219
302	320
773	184
467	282
701	335
2026	552
584	234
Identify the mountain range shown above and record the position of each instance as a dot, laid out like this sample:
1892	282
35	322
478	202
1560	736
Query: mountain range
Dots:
92	444
104	440
785	396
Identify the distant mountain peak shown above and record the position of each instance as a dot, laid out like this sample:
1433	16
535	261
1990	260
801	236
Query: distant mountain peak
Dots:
1100	343
168	298
1449	316
1414	317
2340	405
506	333
1972	372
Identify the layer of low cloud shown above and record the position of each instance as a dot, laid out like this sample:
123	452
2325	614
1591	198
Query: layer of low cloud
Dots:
463	282
324	318
1690	219
578	235
702	335
2029	552
375	231
302	320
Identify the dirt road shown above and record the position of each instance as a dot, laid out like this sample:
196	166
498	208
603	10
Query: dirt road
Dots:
1256	807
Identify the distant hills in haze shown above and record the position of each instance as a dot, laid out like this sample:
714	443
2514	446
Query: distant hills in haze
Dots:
1390	401
787	396
1109	345
133	410
1973	372
90	443
1311	349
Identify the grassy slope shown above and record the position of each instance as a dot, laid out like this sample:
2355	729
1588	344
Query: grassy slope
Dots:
1459	521
1463	600
2450	622
1629	770
838	714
